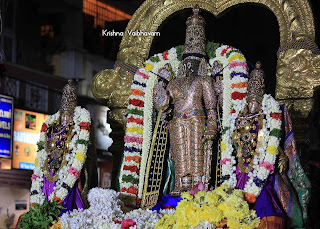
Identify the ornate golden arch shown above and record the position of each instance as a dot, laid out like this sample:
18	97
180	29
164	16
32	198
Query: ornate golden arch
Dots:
295	21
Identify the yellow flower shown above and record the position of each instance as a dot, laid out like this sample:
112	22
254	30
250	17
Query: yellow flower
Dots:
200	196
222	195
80	157
236	56
183	204
272	149
139	130
148	66
239	214
212	198
205	213
255	223
233	223
36	162
193	220
229	213
180	227
161	227
224	207
186	196
238	193
221	188
165	221
215	216
57	225
190	210
223	146
219	206
181	220
233	200
246	226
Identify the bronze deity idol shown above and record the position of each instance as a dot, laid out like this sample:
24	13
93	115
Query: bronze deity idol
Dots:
190	126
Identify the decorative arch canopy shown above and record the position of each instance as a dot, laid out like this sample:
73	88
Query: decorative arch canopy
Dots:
297	33
294	19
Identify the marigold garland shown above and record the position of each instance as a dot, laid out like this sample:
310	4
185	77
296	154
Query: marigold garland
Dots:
218	208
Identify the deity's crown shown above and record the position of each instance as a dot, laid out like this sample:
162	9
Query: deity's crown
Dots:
69	98
256	86
194	47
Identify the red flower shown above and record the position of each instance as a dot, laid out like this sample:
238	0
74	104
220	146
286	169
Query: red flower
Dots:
74	172
117	221
136	120
127	223
57	199
33	205
85	126
168	207
165	55
138	202
131	168
225	50
136	102
268	166
237	95
34	177
131	189
44	127
232	111
224	161
276	116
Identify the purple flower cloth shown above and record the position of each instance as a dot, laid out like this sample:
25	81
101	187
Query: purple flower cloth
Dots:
267	203
73	199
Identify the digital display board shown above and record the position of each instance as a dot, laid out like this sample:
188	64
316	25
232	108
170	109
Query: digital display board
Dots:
6	121
26	133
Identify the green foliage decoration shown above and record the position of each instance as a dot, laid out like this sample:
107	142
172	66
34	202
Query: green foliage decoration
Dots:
211	49
41	216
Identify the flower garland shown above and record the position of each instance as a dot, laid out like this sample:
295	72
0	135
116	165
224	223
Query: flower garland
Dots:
264	162
219	208
139	123
234	81
69	173
105	212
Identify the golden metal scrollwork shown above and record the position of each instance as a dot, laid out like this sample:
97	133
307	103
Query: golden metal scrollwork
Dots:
298	72
294	17
118	115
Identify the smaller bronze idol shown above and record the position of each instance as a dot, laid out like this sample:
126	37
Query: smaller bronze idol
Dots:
59	135
250	121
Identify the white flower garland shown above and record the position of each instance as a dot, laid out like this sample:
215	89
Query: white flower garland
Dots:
264	163
148	109
234	63
145	80
68	174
